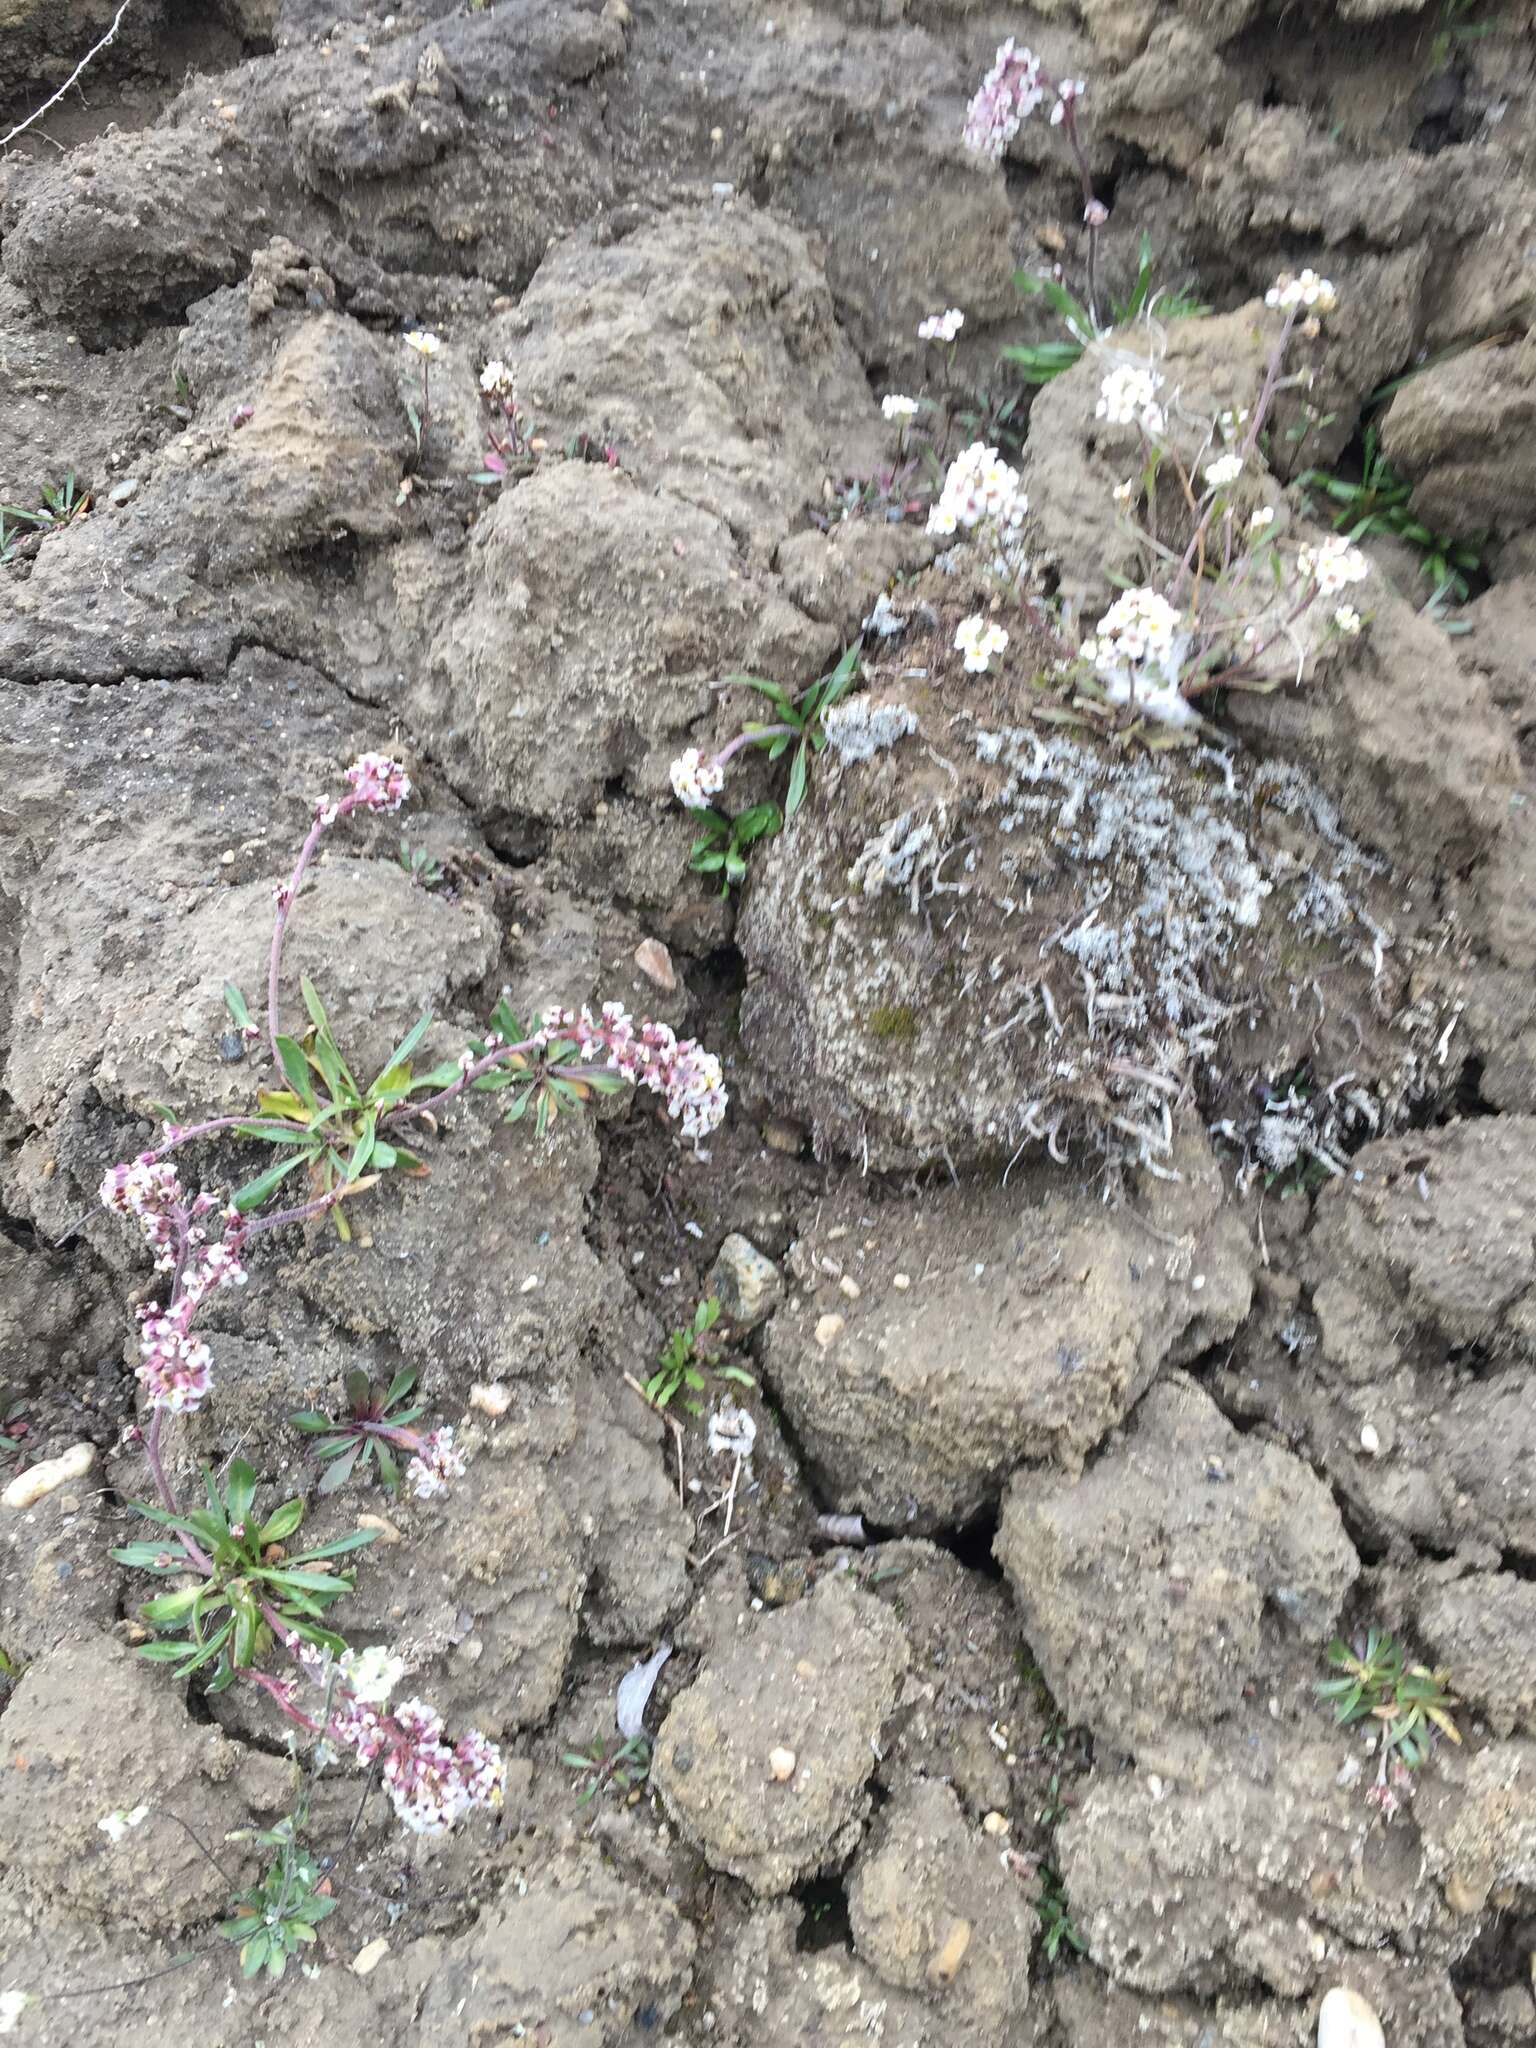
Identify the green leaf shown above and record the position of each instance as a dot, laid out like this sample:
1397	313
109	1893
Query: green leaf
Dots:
309	1582
313	1004
173	1607
362	1151
442	1076
256	1191
795	796
281	1523
311	1421
147	1556
399	1386
234	1002
296	1067
409	1043
776	694
239	1491
338	1474
354	1539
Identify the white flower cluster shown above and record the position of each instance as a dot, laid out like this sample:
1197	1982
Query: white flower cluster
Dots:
979	486
1128	398
1333	564
1265	516
978	640
695	780
1348	621
424	344
1004	101
896	407
1068	93
496	380
435	1463
1226	469
1315	293
941	326
1138	652
372	1674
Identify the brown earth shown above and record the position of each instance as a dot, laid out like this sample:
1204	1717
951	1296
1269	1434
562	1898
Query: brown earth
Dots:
1144	1142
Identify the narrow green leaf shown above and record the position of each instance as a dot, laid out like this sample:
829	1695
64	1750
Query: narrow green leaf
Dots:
296	1067
256	1191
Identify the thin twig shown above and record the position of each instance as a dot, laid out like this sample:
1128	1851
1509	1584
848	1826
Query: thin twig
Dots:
94	51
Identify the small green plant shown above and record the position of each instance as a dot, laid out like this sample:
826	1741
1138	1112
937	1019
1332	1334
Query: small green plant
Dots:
423	870
276	1918
1039	361
1379	503
377	1425
722	845
62	504
621	1766
249	1588
799	730
1453	31
323	1120
11	1412
686	1358
1407	1703
1056	1927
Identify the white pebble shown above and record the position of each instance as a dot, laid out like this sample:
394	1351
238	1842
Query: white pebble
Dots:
1370	1440
1346	2021
31	1485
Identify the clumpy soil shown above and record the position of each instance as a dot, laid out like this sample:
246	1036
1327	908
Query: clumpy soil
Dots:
1125	1205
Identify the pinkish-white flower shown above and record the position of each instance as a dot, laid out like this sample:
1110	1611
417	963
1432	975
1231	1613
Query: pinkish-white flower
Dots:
695	780
941	326
430	1470
1006	98
378	783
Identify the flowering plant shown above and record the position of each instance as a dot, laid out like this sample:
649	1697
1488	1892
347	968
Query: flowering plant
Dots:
506	432
798	730
239	1594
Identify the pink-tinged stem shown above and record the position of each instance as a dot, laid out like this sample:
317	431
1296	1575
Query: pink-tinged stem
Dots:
325	817
183	1134
751	738
446	1095
1069	123
300	1213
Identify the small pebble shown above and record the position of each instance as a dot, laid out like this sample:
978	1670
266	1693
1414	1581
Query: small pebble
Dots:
781	1763
384	1530
901	1282
849	1286
30	1486
994	1823
828	1330
368	1959
1370	1440
1346	2021
944	1963
492	1398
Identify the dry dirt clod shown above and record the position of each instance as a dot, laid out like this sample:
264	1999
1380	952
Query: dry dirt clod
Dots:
781	1763
655	963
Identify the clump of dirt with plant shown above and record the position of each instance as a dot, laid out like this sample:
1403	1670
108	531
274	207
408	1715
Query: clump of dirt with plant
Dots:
767	1270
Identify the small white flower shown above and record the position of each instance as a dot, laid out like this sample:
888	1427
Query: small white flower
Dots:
12	2005
1069	90
1226	469
941	326
695	780
424	344
895	407
1308	289
1128	397
941	518
1348	620
1333	563
978	640
496	378
372	1674
1232	421
1125	494
115	1825
1265	516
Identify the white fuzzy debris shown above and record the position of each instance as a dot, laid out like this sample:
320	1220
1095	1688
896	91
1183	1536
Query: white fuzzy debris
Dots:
858	730
116	1825
635	1689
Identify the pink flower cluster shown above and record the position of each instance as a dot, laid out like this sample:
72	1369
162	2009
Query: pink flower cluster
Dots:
175	1368
378	783
431	1785
434	1465
652	1057
1008	95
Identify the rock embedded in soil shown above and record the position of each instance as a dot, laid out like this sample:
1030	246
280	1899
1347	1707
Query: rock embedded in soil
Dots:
1025	1333
92	1729
746	1285
819	1678
1252	1870
1484	1629
933	1911
1146	1588
573	1952
1345	2020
